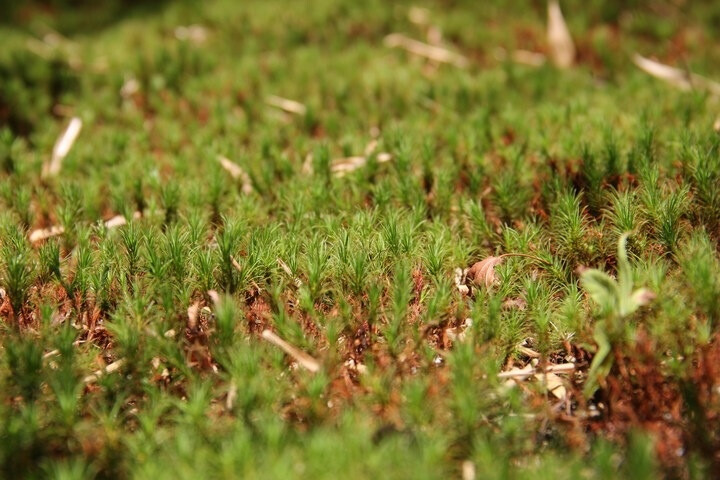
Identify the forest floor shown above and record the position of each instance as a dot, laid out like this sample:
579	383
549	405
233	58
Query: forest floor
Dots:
340	239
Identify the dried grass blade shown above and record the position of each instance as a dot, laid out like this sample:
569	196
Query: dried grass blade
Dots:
528	370
62	147
302	358
116	221
287	105
45	233
680	78
674	76
113	367
431	52
296	280
237	173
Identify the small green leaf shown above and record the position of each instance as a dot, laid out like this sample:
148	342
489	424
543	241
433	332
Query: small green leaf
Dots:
600	366
625	274
601	288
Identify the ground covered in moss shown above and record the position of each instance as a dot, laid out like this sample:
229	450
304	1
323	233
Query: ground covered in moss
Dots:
359	239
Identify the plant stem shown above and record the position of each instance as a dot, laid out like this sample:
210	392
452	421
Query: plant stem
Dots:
524	255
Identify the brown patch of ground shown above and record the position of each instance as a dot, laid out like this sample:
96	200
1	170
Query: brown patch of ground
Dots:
257	313
680	411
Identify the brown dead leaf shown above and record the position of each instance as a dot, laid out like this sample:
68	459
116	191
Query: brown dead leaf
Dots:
483	272
562	48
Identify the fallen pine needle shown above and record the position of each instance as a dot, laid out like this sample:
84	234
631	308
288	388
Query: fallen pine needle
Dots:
522	57
680	78
287	105
235	264
237	173
45	233
55	230
528	352
51	353
343	166
431	52
231	396
116	221
526	57
528	370
298	283
562	48
120	220
302	358
62	147
108	369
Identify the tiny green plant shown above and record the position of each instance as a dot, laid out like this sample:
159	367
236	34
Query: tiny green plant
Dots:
364	229
616	299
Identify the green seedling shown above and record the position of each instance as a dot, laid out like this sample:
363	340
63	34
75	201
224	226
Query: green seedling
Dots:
616	299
